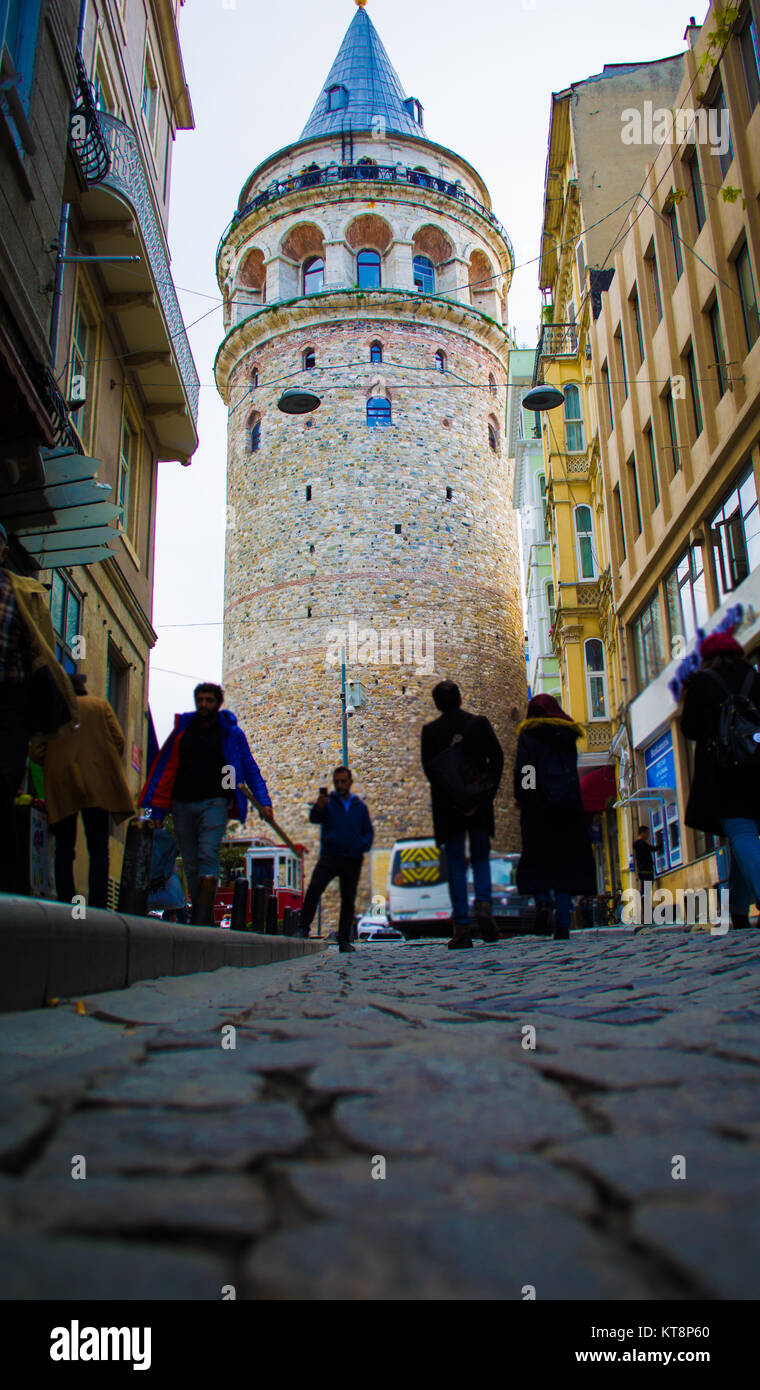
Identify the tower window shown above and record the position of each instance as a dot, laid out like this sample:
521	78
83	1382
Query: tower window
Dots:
493	435
313	275
337	97
376	352
491	384
424	275
254	376
378	411
397	528
440	361
308	359
308	492
368	270
449	494
254	434
311	549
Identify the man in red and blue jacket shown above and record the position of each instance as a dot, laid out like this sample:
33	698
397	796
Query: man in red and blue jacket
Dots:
197	775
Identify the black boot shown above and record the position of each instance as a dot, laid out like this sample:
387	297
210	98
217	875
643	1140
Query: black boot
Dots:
345	945
544	919
740	921
486	925
462	938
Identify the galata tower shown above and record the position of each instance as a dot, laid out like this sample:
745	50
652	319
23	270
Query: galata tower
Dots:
364	265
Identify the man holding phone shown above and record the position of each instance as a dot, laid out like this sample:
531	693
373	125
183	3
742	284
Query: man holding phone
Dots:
346	836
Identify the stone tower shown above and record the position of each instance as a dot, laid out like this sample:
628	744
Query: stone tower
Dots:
364	264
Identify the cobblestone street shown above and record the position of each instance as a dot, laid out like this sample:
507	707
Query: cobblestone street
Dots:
618	1159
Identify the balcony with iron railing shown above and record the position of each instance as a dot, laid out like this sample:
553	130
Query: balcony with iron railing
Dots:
556	340
331	175
143	295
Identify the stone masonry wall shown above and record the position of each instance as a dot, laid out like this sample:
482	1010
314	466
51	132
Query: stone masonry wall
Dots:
297	570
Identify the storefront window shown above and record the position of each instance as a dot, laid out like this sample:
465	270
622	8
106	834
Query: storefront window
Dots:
660	769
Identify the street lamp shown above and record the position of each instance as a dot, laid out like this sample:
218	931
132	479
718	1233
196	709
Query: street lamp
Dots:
542	398
298	402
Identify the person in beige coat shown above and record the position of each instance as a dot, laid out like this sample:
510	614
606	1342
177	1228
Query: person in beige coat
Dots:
83	772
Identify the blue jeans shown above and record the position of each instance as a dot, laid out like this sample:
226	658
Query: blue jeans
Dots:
199	827
562	904
480	851
744	880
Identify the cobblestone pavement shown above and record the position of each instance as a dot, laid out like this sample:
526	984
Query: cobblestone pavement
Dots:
506	1166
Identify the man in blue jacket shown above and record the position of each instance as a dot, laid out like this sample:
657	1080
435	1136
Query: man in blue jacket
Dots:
346	836
197	776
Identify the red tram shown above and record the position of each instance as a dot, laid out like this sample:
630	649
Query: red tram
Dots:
276	867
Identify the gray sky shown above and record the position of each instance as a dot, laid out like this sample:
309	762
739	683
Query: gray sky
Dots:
484	73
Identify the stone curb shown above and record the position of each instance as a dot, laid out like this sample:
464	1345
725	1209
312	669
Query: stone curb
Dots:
45	953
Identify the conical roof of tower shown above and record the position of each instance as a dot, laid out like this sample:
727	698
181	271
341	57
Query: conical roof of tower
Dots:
374	97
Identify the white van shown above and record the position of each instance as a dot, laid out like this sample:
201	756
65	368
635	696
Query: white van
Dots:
418	889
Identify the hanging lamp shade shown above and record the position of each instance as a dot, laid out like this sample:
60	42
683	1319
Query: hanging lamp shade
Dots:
542	398
295	402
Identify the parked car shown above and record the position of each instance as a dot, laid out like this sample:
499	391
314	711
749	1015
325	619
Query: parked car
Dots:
510	908
373	927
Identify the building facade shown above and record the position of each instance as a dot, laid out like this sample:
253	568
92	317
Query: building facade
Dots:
677	369
591	174
523	433
127	388
365	264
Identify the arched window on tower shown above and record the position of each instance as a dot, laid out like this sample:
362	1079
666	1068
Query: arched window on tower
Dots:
368	270
378	411
440	361
596	681
253	429
424	275
308	359
492	383
376	352
493	435
313	275
254	376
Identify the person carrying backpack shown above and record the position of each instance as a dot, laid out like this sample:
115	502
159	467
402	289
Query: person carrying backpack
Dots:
463	761
721	714
556	855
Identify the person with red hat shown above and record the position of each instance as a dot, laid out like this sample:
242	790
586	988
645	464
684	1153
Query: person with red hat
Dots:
724	800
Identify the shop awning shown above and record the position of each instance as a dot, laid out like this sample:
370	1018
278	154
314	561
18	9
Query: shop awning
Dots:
598	789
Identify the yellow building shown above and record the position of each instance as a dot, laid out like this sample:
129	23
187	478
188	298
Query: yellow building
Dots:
589	175
676	363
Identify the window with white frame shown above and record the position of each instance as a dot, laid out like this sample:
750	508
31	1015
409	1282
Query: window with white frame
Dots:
574	440
584	543
596	679
551	607
128	494
686	595
735	533
83	373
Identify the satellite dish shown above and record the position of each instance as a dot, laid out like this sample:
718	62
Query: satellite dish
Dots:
542	398
296	402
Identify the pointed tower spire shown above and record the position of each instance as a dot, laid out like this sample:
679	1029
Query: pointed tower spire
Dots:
363	90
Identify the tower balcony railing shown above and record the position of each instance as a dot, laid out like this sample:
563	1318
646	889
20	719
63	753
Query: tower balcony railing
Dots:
331	174
556	340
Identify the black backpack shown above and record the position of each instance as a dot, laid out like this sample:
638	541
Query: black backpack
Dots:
458	777
737	743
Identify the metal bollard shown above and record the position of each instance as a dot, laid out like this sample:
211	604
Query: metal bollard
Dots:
272	917
135	869
259	908
239	914
202	914
287	922
296	926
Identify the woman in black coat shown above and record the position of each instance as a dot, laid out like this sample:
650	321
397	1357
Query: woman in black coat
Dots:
557	854
724	802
